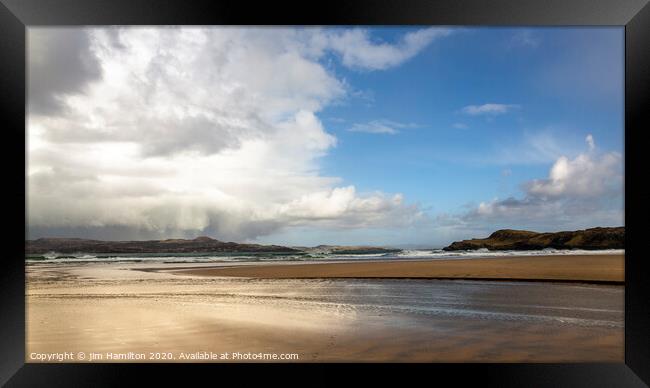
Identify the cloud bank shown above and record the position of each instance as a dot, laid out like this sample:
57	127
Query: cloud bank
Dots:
587	185
141	132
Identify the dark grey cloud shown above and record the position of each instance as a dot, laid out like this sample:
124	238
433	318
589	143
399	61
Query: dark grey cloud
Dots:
104	232
114	38
220	227
60	63
48	181
164	136
192	134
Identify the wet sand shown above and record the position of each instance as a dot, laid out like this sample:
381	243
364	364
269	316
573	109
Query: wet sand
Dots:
585	268
121	308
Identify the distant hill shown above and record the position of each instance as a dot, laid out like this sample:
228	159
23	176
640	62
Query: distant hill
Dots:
197	245
508	239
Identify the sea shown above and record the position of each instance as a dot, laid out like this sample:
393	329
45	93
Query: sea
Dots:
411	254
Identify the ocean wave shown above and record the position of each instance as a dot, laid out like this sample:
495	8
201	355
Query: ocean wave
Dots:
315	257
542	252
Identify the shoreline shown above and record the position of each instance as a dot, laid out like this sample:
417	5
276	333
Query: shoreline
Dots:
105	308
595	269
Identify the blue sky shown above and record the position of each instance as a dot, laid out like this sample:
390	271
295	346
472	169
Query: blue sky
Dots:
566	83
475	67
392	136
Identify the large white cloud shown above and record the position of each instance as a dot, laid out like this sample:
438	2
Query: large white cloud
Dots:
584	176
180	131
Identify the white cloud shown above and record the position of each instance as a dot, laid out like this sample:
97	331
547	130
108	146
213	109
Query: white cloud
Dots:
587	175
358	50
380	126
343	204
460	126
195	130
488	109
338	120
584	191
590	142
525	38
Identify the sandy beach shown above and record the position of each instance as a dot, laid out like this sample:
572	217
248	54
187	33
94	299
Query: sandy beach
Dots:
585	268
153	311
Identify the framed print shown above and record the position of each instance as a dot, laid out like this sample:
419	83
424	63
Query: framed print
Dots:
436	188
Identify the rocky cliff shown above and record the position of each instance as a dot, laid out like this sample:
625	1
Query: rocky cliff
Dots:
508	239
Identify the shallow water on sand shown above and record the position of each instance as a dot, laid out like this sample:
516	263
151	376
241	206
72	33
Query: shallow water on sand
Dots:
111	308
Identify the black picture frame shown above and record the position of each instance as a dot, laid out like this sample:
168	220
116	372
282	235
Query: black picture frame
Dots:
17	15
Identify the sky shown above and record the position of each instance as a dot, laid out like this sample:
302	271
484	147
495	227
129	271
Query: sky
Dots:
396	136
